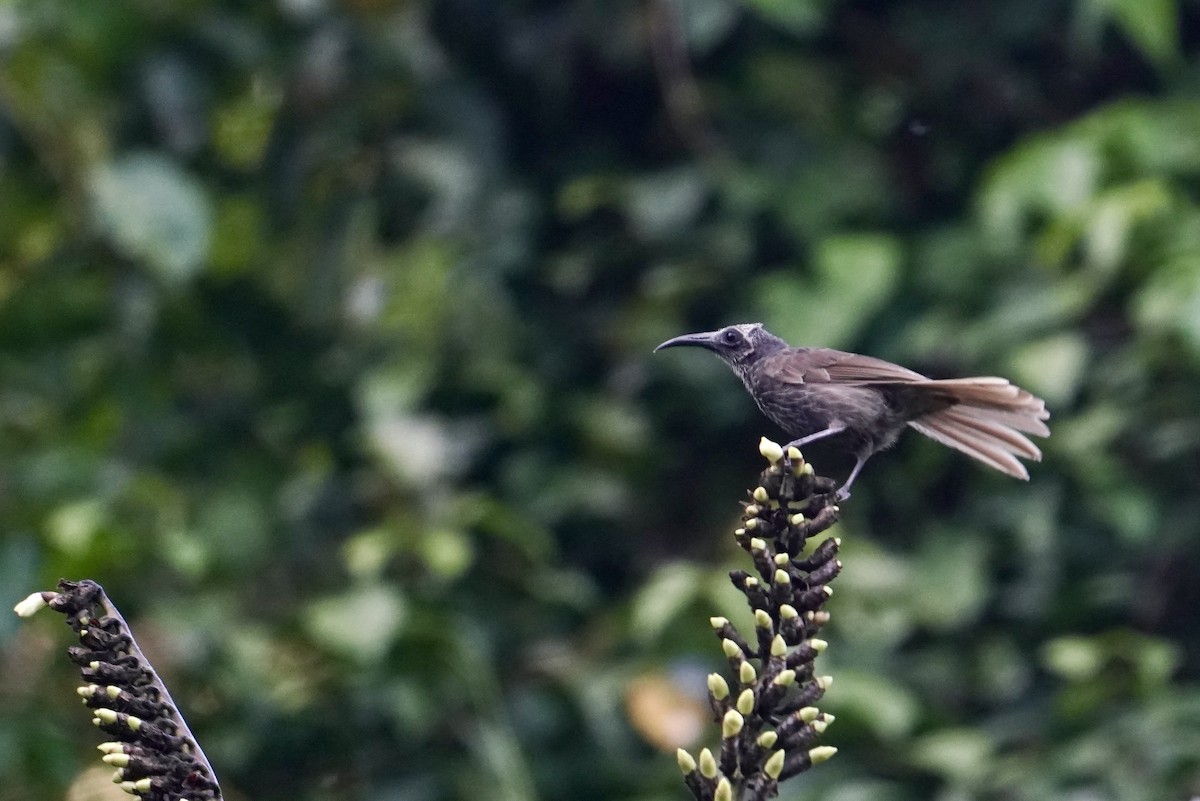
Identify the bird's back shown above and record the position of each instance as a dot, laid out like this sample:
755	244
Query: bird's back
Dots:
794	388
806	390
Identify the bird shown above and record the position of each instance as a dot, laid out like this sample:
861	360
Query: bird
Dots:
866	403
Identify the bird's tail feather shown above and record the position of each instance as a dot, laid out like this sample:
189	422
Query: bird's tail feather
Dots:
988	422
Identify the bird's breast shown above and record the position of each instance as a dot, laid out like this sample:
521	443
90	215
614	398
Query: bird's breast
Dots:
796	408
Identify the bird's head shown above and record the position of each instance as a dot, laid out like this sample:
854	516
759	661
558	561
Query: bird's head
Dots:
738	345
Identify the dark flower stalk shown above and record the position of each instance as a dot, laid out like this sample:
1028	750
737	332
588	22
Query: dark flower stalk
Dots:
152	749
769	724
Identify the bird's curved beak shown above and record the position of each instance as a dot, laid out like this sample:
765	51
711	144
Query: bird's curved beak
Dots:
707	339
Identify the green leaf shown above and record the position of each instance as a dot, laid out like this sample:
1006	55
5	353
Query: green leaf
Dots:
663	204
362	624
1073	657
796	16
855	275
1113	218
1053	367
1152	25
1169	302
447	552
152	210
954	584
887	708
1054	175
962	755
706	22
74	526
662	598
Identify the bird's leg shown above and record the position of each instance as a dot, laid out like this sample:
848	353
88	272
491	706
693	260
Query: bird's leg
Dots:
844	491
835	428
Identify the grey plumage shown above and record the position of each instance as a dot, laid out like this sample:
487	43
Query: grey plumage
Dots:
813	393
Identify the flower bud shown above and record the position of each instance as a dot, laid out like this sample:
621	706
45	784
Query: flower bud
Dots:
771	451
786	678
32	604
774	765
718	686
822	753
732	723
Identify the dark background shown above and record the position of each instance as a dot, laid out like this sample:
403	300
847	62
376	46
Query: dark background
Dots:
325	345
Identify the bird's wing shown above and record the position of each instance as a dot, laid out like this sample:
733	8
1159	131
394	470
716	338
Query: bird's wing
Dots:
829	366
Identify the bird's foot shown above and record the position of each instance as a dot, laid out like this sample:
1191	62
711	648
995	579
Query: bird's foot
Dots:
841	495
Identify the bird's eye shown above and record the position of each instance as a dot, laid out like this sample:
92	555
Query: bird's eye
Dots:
731	337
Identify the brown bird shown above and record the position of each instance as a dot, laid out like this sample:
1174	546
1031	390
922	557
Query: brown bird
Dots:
814	393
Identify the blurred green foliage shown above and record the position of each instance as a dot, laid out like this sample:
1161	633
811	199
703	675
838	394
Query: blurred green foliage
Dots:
325	337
